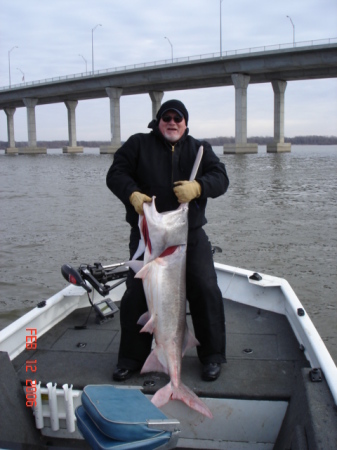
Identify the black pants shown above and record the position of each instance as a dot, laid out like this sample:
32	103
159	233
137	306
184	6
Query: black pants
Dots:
205	301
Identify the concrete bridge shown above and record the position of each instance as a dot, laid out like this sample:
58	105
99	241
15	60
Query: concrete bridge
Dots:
272	64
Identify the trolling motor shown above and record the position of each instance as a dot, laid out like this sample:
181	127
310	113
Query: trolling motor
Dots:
74	277
98	277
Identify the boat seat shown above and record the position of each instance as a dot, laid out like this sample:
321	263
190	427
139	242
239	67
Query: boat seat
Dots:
122	418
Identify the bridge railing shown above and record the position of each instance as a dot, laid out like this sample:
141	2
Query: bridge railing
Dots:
184	59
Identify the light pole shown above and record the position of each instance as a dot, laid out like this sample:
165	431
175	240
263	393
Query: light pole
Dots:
86	66
23	75
92	46
220	29
292	23
171	47
9	63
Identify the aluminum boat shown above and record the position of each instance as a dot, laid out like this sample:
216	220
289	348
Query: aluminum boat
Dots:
278	389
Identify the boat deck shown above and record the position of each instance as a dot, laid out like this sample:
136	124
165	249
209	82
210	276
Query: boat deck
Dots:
264	362
263	357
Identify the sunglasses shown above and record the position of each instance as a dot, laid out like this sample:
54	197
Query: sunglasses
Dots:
167	119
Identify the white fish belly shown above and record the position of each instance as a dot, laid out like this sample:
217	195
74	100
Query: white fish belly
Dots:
165	290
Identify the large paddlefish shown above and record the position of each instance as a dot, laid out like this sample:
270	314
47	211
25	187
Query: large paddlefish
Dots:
164	240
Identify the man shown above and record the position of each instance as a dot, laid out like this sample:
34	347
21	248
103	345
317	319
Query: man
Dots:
159	164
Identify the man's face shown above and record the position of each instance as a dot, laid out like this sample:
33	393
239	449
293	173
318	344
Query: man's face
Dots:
169	126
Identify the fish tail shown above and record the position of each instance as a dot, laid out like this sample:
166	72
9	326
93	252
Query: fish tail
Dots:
182	393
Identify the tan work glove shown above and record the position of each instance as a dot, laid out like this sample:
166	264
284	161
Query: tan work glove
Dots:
187	190
137	199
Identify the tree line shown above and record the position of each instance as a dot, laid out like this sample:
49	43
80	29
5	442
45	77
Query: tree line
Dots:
216	141
264	140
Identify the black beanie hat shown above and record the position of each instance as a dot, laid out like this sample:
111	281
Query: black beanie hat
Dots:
175	105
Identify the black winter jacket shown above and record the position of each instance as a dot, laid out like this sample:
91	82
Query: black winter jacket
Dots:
148	163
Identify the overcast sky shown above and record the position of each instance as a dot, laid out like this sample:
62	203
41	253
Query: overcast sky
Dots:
51	35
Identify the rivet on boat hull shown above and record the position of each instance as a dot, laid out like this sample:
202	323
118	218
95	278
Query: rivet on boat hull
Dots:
149	383
81	345
248	351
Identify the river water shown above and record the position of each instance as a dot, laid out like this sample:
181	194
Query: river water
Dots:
278	217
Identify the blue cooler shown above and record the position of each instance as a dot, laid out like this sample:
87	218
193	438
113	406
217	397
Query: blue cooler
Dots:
121	418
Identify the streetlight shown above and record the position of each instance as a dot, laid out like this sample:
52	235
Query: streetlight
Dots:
220	30
86	66
9	63
171	46
292	23
92	45
23	75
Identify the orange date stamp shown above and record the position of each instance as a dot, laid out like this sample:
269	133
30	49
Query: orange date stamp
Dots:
31	344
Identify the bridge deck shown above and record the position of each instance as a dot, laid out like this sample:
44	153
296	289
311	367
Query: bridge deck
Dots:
299	63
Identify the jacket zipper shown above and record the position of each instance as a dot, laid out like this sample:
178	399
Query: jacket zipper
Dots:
172	164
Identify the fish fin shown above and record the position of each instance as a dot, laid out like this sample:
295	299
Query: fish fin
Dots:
153	363
143	271
136	266
148	326
144	318
182	393
190	340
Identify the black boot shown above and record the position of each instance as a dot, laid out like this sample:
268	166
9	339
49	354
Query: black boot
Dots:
211	371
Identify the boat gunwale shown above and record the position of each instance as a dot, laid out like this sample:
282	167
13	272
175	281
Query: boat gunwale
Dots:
306	333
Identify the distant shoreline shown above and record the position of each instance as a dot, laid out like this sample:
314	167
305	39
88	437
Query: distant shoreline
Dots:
264	140
217	141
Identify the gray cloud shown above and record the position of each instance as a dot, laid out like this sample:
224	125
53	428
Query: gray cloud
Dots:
51	35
